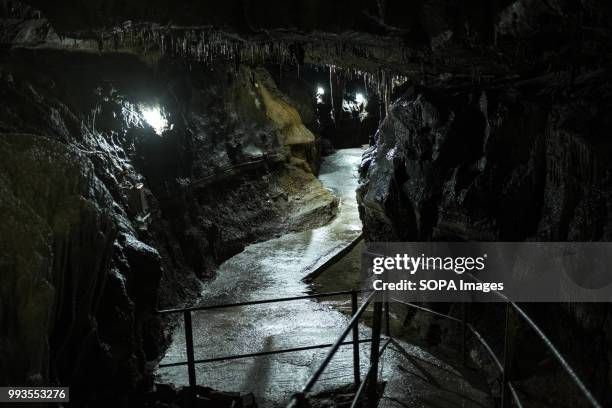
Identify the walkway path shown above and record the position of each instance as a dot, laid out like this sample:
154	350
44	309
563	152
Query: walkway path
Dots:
271	269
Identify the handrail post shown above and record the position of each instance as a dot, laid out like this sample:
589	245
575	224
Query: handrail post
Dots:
387	310
372	390
506	376
189	345
356	368
387	319
464	333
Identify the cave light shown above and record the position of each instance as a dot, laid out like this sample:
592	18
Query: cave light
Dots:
320	93
359	98
154	117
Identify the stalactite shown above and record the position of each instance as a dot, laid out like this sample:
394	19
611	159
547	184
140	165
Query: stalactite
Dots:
205	45
382	7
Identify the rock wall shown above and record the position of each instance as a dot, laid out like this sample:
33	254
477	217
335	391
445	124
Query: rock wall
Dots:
510	161
58	216
106	217
507	162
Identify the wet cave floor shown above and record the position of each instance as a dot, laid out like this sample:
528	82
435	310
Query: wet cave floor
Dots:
417	373
275	268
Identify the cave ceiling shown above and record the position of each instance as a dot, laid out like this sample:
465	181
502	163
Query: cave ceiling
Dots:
470	38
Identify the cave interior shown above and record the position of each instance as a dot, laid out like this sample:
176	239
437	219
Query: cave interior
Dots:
145	145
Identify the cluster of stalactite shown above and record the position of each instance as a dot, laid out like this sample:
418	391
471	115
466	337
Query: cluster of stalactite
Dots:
199	44
381	83
207	44
16	9
204	45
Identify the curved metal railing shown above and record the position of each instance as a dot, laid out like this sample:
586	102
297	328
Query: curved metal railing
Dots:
369	382
508	389
352	327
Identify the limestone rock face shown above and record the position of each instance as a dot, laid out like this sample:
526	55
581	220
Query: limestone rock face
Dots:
521	161
490	164
106	217
287	119
54	267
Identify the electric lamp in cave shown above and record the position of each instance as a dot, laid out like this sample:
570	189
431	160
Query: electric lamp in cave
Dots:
154	116
320	93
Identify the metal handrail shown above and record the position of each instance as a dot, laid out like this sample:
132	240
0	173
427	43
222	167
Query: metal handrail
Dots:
503	369
551	347
191	361
262	353
487	347
433	312
564	364
371	377
587	393
352	326
255	302
330	354
368	375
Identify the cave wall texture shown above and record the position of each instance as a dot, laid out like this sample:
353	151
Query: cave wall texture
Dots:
519	160
104	220
507	158
514	161
495	128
